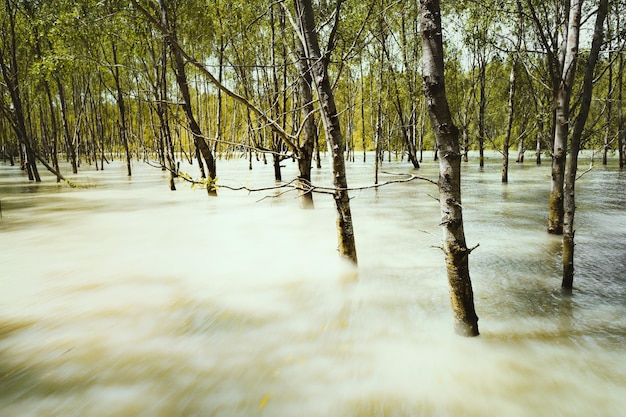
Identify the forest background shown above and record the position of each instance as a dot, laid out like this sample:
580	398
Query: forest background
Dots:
91	80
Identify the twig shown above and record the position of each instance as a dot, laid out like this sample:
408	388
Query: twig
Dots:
588	169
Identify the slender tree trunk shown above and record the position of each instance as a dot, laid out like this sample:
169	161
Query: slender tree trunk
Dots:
220	76
422	128
330	119
363	112
121	106
447	135
561	131
305	150
163	114
509	124
609	111
378	137
411	128
621	130
273	97
482	109
398	104
539	140
55	131
520	150
572	165
10	71
181	79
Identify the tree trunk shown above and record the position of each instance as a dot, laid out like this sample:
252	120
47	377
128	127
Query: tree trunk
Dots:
183	85
621	129
509	124
520	150
609	110
572	165
539	140
363	112
55	131
305	149
121	106
482	109
163	114
10	73
330	119
562	110
406	137
447	136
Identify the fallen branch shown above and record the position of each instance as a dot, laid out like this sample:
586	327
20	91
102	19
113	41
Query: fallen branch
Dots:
296	184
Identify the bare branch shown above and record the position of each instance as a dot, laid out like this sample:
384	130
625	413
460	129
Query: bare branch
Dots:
288	139
586	171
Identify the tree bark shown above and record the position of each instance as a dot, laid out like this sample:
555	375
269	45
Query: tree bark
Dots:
574	148
561	131
447	136
330	119
305	149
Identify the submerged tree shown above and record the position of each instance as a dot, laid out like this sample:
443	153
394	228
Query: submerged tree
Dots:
319	69
169	24
574	148
13	77
447	136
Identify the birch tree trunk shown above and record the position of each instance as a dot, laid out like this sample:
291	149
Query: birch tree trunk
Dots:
447	136
562	110
330	119
574	148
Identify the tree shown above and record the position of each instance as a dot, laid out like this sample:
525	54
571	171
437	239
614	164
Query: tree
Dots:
447	136
574	146
511	103
318	65
562	113
12	76
169	24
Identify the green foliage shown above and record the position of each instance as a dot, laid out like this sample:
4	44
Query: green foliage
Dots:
71	42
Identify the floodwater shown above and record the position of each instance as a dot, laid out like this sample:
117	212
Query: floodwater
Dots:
126	299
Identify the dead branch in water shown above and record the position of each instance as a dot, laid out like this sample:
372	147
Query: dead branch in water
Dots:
298	184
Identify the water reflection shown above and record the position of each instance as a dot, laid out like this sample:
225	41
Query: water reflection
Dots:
130	300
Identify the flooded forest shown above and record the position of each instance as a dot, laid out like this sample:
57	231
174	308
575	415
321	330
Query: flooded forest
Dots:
312	207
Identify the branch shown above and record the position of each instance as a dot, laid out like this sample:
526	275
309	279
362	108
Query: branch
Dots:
331	38
586	171
286	137
300	184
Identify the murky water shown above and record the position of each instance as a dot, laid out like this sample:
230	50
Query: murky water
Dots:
126	299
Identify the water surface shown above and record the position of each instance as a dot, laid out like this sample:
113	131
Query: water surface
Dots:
126	299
